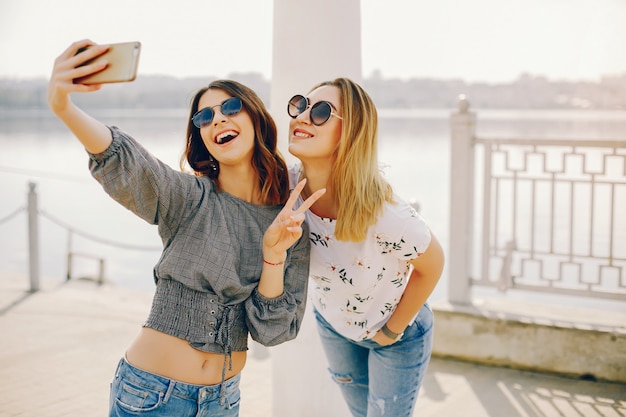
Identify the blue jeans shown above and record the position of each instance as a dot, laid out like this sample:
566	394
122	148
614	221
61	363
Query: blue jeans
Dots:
135	392
380	380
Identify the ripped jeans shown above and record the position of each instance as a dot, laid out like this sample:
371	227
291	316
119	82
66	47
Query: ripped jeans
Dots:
375	380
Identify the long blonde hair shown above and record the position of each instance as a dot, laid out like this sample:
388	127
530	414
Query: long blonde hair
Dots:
357	184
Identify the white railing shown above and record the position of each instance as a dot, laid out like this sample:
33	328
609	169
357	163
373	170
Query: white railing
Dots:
538	214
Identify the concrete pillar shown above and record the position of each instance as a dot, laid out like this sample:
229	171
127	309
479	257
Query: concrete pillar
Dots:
312	42
462	127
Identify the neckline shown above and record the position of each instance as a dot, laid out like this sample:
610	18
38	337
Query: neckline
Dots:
248	203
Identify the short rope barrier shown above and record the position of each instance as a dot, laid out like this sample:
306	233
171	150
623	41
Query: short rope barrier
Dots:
10	216
96	238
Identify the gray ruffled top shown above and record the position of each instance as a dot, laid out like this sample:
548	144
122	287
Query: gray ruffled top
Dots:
207	276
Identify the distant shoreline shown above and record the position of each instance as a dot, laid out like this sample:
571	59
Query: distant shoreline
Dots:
383	113
526	93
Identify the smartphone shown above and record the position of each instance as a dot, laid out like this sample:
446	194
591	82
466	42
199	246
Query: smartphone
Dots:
123	59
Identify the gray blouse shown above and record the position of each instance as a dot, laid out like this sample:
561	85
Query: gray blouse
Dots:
207	276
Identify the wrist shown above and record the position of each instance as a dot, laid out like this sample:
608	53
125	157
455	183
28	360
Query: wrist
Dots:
389	333
277	263
274	259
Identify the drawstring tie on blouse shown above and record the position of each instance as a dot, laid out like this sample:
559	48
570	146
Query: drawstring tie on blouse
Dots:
224	338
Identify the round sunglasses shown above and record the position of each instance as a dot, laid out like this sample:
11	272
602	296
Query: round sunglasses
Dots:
229	107
320	112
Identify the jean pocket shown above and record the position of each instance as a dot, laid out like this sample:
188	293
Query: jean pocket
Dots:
232	400
232	393
134	397
424	320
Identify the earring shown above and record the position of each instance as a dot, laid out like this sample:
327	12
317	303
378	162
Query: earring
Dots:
213	165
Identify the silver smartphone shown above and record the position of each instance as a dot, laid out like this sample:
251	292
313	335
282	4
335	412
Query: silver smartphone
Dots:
123	60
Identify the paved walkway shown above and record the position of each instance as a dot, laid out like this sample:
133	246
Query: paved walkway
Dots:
59	348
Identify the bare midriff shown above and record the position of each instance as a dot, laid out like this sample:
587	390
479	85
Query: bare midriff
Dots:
171	357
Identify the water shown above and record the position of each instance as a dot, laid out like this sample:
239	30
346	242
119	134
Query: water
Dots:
35	147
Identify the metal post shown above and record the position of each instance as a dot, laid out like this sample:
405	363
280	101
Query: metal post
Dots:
101	272
462	126
70	255
33	237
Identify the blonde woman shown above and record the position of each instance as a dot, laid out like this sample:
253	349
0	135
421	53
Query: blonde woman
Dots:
374	261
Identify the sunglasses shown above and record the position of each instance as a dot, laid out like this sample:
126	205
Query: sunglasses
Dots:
229	107
320	112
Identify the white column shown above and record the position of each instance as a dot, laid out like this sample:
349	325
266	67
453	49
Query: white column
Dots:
462	126
312	42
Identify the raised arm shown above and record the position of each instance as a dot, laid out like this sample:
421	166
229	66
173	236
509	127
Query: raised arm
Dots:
94	135
282	233
276	309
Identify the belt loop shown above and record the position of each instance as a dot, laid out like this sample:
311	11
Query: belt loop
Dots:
170	388
119	366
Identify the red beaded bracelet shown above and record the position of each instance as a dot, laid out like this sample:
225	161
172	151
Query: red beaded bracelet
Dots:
273	264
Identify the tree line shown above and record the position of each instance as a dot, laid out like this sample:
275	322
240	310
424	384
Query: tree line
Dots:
526	92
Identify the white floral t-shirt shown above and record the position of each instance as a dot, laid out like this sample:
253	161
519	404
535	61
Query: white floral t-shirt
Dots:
356	286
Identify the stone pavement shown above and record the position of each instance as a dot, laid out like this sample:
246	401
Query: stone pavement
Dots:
59	348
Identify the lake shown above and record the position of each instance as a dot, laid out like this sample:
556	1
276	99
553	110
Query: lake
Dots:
413	148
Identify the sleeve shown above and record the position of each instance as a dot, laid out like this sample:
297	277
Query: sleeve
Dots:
142	183
416	234
277	320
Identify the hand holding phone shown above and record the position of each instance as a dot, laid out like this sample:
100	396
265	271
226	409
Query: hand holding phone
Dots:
122	62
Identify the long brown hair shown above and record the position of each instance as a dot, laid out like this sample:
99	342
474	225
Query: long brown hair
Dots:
357	183
267	159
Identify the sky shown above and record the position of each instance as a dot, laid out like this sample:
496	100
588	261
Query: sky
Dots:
473	40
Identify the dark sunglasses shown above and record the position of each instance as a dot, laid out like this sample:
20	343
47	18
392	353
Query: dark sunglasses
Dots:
230	107
320	111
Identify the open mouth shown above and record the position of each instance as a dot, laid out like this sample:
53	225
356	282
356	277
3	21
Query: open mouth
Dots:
226	137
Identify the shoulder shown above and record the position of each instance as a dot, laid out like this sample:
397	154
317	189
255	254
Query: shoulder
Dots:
399	211
401	222
203	183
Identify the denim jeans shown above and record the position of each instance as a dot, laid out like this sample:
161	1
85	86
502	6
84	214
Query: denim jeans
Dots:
137	392
377	380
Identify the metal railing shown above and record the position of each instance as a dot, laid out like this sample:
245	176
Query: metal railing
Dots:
539	215
33	213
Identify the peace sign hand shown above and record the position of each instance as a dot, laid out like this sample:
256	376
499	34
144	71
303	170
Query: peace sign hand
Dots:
286	228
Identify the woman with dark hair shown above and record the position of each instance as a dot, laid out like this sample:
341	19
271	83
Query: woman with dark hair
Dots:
374	261
234	260
266	159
